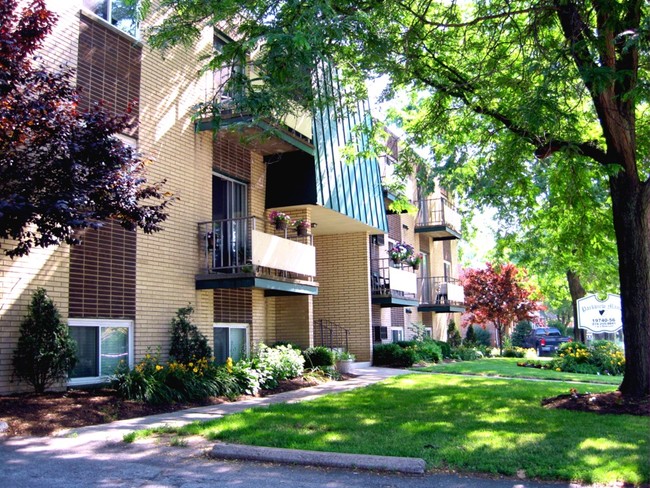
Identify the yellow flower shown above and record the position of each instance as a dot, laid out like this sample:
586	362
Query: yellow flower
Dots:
558	369
196	370
191	364
229	365
158	367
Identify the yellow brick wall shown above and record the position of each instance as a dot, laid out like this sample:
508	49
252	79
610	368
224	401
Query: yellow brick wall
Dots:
342	267
293	319
47	268
168	261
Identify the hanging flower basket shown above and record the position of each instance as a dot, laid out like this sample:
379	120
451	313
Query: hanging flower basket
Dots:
280	219
302	227
400	252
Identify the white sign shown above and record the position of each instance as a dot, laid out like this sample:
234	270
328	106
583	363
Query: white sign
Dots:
597	315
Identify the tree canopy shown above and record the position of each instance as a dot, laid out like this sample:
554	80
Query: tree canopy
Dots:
498	295
496	88
61	169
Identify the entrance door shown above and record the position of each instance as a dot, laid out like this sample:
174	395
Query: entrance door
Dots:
425	290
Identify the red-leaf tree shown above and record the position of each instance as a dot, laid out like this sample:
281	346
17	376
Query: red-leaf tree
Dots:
60	169
497	295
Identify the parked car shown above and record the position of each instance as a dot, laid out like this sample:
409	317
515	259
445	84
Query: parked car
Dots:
545	340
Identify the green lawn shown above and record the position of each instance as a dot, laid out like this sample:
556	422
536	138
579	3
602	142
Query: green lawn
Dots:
466	423
507	367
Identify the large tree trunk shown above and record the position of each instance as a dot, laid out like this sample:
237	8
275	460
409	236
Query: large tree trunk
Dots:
631	209
577	291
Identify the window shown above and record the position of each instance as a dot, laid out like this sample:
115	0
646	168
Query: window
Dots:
117	13
397	335
230	341
101	346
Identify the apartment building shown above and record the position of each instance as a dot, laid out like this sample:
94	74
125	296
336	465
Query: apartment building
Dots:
248	279
428	293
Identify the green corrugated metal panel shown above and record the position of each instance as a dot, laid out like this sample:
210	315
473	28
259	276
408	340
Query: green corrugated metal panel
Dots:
351	188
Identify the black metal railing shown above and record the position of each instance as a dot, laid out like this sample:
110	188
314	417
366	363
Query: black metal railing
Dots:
380	277
227	246
437	211
435	290
332	335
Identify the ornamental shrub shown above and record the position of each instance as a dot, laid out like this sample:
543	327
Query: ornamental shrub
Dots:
152	382
522	330
601	357
453	335
470	336
608	357
45	352
393	355
463	353
444	347
483	337
319	356
427	350
281	363
188	343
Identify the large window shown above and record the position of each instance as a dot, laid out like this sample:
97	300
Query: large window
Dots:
230	341
117	13
101	346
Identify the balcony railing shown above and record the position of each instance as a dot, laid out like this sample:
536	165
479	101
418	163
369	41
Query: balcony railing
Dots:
441	290
394	280
242	245
438	212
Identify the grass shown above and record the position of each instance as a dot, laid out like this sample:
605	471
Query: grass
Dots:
507	367
464	423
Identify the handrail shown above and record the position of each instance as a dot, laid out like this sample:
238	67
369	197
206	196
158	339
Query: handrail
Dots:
227	244
440	290
332	335
437	211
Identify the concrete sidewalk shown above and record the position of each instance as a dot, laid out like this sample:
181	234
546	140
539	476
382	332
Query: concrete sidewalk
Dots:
114	431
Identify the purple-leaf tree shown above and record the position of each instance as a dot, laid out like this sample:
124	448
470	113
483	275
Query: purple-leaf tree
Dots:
61	170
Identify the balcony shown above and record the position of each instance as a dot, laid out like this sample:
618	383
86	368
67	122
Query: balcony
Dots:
392	285
219	112
438	219
239	253
441	295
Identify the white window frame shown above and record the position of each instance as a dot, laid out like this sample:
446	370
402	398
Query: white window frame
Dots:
101	323
400	333
233	325
108	21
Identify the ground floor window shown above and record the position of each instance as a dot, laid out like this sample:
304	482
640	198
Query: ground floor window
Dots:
397	335
230	340
101	346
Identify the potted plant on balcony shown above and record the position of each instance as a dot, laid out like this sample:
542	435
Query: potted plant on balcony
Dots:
414	260
280	219
302	226
344	362
400	252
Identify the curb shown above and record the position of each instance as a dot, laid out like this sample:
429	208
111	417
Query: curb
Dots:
318	458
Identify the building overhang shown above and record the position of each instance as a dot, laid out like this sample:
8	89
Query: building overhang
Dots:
387	301
261	136
274	285
441	308
438	232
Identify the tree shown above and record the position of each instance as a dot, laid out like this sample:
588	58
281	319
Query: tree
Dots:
497	295
188	343
470	336
560	229
497	87
45	352
61	170
522	329
453	335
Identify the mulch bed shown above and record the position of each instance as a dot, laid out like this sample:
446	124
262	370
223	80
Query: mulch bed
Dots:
604	403
43	415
